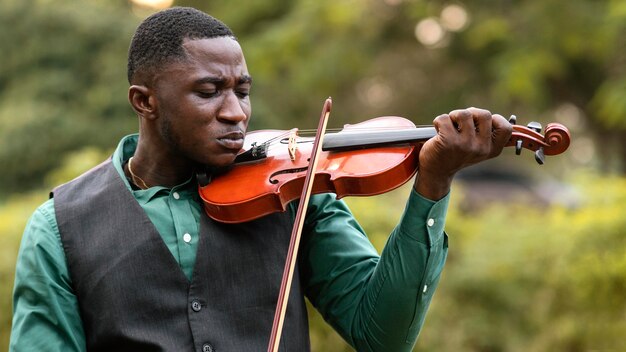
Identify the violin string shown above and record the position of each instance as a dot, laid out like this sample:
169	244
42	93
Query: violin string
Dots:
365	129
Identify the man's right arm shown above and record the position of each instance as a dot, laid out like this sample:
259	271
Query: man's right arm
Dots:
45	310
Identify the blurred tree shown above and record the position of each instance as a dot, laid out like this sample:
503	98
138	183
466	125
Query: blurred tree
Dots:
558	58
62	83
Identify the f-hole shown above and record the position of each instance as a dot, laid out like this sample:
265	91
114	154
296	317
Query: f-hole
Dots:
283	172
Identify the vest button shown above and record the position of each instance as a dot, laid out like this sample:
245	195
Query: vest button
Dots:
196	306
207	348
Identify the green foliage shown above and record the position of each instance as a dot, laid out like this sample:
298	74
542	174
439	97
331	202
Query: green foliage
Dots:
520	278
62	84
63	81
74	164
610	103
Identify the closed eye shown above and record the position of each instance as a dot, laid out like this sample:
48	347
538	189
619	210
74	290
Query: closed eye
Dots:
243	93
207	94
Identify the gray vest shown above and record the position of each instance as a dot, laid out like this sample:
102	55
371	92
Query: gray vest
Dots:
133	296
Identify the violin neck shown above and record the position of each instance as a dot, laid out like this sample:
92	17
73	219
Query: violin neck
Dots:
350	140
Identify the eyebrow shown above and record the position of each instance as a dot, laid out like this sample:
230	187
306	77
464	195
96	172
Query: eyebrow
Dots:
218	80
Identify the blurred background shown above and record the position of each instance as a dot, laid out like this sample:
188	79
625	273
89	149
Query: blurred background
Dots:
537	257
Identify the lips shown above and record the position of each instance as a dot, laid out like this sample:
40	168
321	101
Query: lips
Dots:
232	140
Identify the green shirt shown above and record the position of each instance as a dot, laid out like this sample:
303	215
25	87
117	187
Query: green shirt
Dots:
375	302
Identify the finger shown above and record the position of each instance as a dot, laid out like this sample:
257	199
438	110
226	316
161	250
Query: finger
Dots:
444	125
501	132
482	121
464	121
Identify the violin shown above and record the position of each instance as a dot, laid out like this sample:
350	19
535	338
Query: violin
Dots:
363	159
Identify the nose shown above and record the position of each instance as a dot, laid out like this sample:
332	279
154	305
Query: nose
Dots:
231	110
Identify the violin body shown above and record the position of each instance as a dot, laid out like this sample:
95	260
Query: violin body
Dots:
260	187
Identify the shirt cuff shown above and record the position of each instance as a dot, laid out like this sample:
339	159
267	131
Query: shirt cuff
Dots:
423	219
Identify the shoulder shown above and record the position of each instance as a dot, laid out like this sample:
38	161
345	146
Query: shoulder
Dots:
41	238
43	219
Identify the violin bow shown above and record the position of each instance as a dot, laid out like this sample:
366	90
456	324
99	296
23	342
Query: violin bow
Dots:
296	233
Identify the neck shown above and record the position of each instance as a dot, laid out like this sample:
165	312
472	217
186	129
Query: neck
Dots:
157	169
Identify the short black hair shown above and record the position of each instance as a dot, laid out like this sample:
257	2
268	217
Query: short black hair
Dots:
158	39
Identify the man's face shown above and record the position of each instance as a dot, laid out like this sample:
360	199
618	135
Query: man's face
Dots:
203	102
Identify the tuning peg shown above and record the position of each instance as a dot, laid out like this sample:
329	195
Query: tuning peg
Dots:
539	156
518	147
513	120
535	126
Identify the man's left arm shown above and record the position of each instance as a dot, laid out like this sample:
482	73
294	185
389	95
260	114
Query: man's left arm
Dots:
380	304
375	303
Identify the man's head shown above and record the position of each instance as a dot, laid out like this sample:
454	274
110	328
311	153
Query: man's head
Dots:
158	39
189	87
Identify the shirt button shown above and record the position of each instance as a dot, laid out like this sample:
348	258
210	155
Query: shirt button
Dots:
176	195
196	306
207	348
430	222
425	288
187	238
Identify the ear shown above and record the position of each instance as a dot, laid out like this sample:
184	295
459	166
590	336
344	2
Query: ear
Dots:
143	101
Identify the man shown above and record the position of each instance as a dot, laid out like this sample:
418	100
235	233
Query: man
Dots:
123	257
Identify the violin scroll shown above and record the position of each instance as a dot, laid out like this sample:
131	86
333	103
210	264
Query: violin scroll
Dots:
558	137
555	141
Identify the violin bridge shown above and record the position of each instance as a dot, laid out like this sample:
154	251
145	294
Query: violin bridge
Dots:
292	146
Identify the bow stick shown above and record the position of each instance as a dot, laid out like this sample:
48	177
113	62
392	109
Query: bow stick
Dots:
294	243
